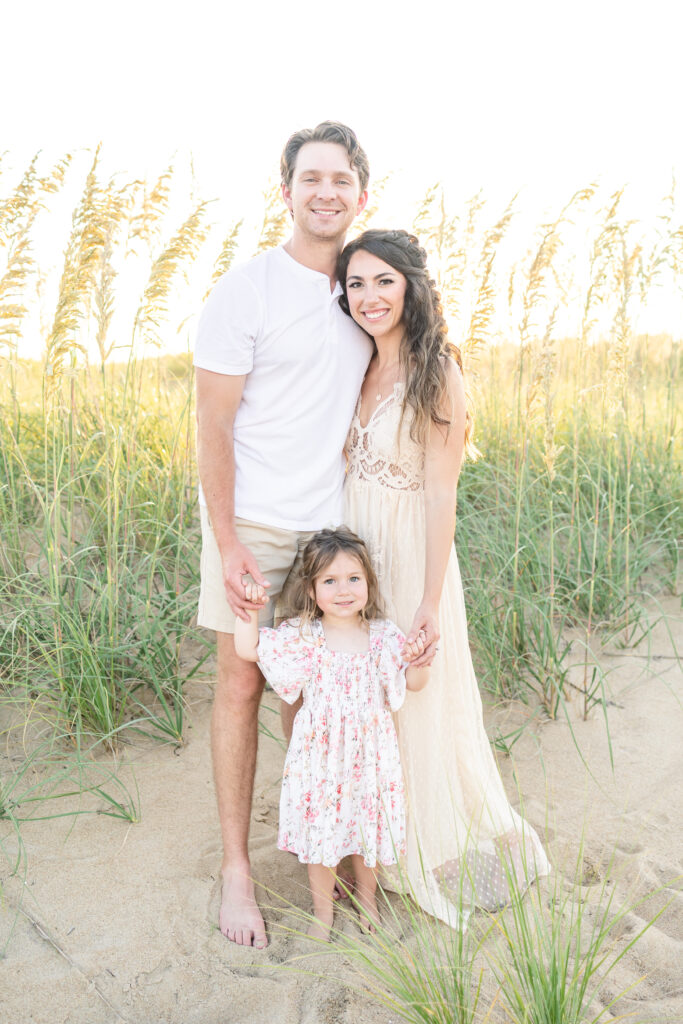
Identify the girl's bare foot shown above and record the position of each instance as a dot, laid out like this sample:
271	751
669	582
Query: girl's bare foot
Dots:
321	880
364	895
321	926
343	885
368	914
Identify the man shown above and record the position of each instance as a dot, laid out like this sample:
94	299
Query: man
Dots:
279	367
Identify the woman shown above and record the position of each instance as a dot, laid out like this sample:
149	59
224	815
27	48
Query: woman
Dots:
405	448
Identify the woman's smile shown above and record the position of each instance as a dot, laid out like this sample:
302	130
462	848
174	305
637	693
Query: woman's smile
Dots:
376	294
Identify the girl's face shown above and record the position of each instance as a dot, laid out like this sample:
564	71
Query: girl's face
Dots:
341	591
376	293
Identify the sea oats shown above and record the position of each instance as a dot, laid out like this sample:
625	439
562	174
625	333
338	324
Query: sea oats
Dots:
147	223
97	217
174	258
275	221
226	256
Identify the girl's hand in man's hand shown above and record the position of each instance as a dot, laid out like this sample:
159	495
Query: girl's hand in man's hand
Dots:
239	562
255	593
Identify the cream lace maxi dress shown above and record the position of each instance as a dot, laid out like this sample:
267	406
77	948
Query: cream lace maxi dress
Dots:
464	839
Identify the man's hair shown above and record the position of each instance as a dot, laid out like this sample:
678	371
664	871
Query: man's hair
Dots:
326	131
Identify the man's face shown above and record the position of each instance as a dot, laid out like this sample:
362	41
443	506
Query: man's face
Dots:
324	196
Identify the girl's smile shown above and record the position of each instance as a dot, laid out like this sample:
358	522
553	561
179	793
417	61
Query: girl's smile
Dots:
341	591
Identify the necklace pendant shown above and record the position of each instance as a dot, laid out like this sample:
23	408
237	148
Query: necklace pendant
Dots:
378	396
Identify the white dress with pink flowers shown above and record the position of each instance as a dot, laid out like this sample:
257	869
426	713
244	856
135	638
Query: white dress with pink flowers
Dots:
342	787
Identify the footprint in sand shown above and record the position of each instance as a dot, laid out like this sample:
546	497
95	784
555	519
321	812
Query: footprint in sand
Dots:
629	847
264	811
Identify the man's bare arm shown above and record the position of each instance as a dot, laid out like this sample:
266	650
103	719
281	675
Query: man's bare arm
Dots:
218	399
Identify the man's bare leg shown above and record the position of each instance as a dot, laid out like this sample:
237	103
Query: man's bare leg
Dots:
234	738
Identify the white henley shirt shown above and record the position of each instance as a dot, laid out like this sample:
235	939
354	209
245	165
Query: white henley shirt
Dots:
276	321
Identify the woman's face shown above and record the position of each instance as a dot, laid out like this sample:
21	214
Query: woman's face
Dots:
376	293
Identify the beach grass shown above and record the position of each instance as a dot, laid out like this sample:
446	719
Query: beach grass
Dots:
551	956
568	525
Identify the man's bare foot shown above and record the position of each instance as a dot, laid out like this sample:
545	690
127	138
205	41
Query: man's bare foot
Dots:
239	918
320	927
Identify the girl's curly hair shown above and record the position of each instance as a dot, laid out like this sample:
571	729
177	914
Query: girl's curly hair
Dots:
321	550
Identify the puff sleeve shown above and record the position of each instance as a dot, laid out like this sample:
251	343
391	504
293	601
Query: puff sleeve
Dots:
286	659
392	667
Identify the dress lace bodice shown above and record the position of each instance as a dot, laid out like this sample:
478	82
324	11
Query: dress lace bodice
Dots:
383	451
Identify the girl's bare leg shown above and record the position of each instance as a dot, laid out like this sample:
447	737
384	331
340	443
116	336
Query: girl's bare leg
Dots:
321	881
365	894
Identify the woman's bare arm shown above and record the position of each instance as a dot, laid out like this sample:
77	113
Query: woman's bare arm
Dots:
443	460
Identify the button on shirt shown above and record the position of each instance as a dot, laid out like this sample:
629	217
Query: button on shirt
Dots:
276	321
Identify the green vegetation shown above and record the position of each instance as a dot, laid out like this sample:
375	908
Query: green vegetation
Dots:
568	526
551	956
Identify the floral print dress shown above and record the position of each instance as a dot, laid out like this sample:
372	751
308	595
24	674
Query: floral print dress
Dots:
342	788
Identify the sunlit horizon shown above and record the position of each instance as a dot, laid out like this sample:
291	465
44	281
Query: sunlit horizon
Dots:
534	101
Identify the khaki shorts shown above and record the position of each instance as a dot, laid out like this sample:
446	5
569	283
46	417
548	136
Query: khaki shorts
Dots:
278	556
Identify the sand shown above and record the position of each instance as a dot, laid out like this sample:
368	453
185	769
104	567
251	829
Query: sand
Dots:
116	922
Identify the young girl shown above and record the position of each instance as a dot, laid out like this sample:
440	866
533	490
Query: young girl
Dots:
342	790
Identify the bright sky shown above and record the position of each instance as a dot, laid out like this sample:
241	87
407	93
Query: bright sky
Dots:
538	95
492	93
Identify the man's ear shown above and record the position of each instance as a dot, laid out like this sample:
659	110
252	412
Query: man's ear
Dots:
362	202
287	196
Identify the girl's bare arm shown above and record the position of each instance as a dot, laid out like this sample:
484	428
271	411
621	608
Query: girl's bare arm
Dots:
416	678
246	637
246	633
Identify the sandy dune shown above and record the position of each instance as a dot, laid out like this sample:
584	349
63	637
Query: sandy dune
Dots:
116	922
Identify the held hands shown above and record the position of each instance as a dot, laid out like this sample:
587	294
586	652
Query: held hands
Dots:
239	562
413	652
255	593
426	624
413	649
